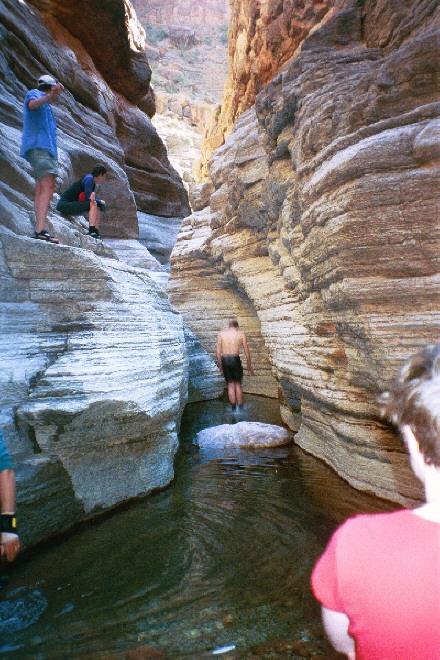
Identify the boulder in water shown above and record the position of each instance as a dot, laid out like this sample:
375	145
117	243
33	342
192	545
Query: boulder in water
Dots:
249	435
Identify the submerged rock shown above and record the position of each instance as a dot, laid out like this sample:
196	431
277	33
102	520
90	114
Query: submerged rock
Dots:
249	435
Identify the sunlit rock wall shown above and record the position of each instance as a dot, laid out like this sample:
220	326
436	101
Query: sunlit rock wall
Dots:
94	361
263	35
326	215
94	371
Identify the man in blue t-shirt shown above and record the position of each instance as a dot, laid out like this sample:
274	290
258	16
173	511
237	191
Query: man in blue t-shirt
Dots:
39	147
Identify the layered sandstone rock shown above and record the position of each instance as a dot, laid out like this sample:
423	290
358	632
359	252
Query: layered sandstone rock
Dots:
94	379
196	113
325	218
182	143
263	35
95	360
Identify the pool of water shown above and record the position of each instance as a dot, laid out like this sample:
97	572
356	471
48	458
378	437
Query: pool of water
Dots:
222	558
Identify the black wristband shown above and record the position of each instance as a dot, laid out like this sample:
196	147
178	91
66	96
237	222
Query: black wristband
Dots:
8	523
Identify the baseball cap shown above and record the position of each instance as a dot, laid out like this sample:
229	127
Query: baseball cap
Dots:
47	80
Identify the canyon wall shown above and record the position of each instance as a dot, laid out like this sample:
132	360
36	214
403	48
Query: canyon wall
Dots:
263	34
95	361
325	220
183	12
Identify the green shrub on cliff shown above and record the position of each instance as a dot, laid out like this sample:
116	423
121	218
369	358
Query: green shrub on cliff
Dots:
155	33
223	34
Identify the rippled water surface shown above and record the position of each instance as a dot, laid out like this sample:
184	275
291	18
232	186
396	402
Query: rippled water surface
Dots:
221	558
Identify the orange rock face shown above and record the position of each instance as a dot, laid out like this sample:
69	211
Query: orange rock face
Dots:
263	35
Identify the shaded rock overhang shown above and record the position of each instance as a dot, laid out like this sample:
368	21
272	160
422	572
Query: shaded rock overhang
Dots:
111	34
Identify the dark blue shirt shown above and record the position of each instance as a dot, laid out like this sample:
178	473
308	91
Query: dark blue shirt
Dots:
85	185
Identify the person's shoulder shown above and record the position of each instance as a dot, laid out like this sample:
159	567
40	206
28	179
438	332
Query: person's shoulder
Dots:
87	177
372	522
33	94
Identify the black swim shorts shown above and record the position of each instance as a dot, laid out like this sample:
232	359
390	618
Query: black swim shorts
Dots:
232	369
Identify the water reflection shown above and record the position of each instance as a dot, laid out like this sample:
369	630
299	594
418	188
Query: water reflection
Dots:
221	558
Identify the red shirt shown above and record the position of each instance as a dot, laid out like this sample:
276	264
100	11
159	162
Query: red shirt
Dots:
383	572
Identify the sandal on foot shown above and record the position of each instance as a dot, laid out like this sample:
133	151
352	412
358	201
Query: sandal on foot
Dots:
45	236
94	233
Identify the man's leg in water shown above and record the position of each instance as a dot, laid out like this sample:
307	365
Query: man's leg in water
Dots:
231	394
238	394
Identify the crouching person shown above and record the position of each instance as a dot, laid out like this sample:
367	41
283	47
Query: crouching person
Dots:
81	198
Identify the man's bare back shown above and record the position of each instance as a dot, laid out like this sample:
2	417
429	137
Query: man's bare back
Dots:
230	341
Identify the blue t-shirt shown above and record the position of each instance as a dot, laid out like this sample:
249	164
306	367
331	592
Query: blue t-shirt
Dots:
39	127
5	459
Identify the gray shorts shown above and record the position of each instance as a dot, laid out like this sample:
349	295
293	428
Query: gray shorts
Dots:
43	163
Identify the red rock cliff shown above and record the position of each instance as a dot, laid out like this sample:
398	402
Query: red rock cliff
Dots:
263	35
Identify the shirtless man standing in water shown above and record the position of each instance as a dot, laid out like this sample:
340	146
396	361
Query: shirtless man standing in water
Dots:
229	342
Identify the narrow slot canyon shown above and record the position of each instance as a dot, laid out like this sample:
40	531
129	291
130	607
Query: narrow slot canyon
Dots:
271	162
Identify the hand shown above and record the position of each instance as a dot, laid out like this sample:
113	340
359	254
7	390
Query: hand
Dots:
11	548
251	370
56	90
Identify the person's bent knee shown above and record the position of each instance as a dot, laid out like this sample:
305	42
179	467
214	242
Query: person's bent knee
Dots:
72	208
62	207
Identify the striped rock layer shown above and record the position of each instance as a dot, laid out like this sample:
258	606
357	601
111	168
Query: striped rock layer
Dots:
325	222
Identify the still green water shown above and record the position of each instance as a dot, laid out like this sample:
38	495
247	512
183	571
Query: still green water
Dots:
221	558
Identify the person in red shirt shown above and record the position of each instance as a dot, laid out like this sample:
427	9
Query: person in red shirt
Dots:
379	578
